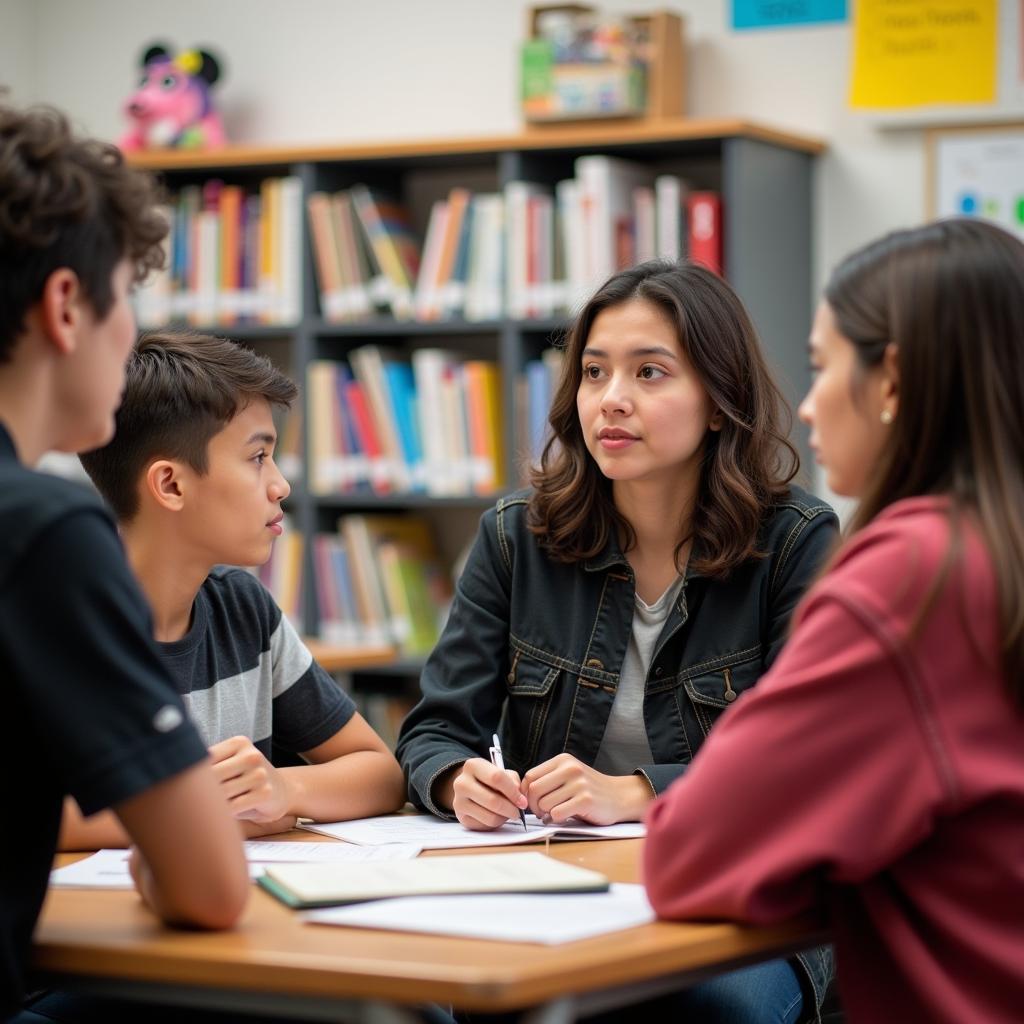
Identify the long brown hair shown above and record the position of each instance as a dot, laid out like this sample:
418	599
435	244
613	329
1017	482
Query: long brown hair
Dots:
950	297
746	465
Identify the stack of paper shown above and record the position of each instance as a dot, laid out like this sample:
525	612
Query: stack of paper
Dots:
108	869
549	919
433	834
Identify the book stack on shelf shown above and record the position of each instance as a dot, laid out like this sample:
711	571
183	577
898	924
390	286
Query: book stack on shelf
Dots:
380	583
383	425
532	250
367	256
428	372
535	390
232	256
282	574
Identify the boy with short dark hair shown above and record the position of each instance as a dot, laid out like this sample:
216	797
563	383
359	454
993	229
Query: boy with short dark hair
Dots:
190	475
88	707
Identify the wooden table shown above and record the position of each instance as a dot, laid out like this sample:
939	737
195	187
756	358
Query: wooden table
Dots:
104	941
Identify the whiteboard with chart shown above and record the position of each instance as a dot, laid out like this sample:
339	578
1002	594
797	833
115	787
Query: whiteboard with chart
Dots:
979	172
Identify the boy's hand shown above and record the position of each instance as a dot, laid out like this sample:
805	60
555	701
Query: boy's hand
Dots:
485	797
565	787
135	866
256	829
255	789
142	877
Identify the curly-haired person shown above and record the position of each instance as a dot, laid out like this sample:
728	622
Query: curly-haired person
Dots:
88	707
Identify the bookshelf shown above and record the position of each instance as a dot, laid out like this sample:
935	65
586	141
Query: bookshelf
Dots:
763	177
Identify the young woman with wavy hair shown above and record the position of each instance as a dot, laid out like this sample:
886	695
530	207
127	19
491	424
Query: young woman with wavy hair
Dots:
608	615
897	706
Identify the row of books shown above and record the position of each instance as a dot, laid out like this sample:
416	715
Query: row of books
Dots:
452	450
529	251
365	251
282	574
434	425
534	392
233	256
378	579
379	582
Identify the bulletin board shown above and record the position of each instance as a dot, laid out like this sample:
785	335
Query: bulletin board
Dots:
1008	104
977	171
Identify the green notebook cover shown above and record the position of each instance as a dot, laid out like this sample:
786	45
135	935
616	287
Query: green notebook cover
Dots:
320	885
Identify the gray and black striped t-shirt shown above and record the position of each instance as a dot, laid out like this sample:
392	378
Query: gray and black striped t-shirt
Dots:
242	670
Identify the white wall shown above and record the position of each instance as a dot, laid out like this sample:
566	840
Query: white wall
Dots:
341	70
17	41
334	70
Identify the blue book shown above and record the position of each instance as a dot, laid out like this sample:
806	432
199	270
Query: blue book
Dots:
455	289
359	472
402	393
190	202
538	404
343	582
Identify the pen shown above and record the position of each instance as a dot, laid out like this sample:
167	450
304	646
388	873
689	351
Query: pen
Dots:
499	762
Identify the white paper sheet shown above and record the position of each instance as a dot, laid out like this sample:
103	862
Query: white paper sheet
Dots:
434	834
108	869
545	919
266	852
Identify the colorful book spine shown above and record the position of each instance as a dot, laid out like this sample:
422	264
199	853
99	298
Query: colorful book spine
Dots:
391	238
325	254
670	221
483	404
704	215
427	298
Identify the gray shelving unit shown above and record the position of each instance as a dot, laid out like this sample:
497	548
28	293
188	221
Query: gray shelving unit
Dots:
763	176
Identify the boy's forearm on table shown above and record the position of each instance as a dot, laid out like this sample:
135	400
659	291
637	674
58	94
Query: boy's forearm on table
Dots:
356	785
99	831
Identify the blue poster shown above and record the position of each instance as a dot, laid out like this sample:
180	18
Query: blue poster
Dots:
780	13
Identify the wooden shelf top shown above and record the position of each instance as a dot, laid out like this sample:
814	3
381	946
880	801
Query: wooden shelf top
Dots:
345	659
569	136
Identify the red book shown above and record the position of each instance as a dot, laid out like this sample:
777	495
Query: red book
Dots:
532	254
704	219
366	434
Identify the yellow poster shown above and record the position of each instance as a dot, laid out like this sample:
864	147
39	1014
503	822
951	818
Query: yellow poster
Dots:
907	53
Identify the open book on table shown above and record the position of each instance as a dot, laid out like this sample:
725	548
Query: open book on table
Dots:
432	833
329	885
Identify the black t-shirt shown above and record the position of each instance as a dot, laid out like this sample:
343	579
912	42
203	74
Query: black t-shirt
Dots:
88	709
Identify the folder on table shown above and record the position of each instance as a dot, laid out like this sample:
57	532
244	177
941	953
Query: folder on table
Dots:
327	885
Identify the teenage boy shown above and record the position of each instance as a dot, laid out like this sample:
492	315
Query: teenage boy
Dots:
88	707
191	478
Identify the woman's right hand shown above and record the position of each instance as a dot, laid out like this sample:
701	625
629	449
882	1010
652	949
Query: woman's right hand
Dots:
483	797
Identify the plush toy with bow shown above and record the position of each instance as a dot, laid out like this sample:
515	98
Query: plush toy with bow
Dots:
172	107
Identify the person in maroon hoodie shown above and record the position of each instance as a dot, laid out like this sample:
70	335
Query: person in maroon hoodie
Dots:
895	712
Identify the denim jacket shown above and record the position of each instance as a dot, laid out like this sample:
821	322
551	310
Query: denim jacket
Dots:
532	649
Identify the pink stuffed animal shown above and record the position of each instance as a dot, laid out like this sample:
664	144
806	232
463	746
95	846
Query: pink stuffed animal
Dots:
172	107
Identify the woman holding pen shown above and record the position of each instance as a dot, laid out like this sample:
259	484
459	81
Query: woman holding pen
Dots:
608	615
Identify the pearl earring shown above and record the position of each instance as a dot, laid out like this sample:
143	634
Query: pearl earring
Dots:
886	417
